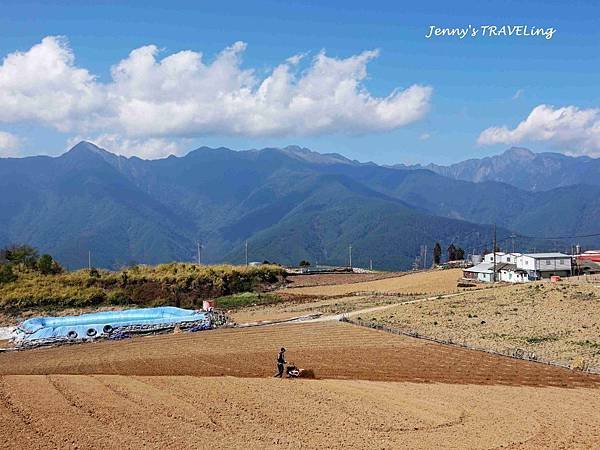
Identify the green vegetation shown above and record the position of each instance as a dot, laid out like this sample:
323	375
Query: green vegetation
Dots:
540	339
246	299
14	258
176	284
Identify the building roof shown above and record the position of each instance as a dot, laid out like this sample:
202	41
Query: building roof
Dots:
481	268
546	255
506	266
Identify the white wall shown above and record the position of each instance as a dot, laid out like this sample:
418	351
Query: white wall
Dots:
512	277
489	257
544	264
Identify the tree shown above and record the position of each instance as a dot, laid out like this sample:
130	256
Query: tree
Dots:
48	265
460	253
452	253
304	263
45	265
21	254
437	253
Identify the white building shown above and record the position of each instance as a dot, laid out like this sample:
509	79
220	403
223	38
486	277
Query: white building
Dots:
520	268
481	272
544	265
511	273
501	257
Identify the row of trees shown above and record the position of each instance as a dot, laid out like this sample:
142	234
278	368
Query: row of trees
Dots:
454	253
25	257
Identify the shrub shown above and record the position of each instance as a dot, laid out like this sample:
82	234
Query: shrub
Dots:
7	274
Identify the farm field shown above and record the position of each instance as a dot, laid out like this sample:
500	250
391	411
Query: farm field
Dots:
327	279
332	349
376	390
92	411
556	321
429	282
373	389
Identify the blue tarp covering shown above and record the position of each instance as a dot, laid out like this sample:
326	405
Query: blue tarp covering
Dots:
98	324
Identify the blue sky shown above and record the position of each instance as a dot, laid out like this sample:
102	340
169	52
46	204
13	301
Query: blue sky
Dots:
476	83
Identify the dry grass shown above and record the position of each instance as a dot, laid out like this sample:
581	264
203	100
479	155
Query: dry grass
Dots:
559	322
430	282
166	284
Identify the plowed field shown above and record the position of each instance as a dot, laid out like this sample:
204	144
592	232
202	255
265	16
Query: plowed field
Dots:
333	350
112	411
377	390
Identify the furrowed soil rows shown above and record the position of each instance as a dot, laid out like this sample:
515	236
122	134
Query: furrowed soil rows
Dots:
333	350
117	411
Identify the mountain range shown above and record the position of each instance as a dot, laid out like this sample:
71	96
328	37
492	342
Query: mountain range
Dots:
288	204
525	169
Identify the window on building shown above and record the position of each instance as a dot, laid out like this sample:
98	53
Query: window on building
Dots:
562	261
548	262
508	259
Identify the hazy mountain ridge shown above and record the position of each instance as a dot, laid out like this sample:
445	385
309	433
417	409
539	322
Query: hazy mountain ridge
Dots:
290	204
524	169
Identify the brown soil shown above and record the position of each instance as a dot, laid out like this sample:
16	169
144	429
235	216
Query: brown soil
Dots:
306	305
161	392
430	282
112	411
332	350
327	279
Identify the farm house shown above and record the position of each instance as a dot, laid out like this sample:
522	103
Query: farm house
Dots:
545	265
481	272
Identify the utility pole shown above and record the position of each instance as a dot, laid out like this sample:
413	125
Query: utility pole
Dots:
350	255
370	264
425	259
199	244
494	253
246	246
89	260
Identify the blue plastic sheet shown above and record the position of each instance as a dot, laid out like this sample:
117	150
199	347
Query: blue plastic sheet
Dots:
93	325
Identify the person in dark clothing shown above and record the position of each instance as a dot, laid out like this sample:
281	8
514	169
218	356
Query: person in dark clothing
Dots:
280	363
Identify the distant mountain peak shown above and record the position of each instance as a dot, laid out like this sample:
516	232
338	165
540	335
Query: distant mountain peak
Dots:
309	155
84	146
525	169
518	153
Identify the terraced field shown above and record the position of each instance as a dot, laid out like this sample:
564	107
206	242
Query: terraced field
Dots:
422	283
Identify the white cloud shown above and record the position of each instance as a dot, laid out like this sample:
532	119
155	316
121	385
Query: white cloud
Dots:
9	144
574	130
150	100
518	94
43	85
425	136
151	148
